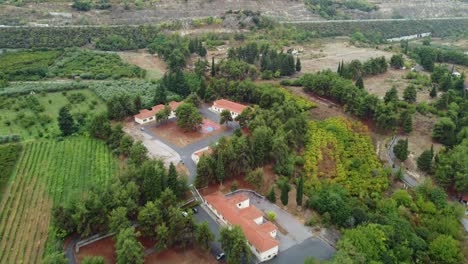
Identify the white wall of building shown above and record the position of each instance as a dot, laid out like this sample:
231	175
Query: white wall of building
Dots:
243	204
219	110
259	220
264	256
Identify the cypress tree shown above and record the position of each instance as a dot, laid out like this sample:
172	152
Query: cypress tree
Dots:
339	68
401	150
220	173
285	188
172	179
298	65
300	191
360	83
424	161
433	92
272	195
408	124
213	70
66	122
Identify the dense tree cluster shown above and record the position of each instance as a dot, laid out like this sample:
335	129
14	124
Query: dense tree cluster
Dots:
266	58
384	229
356	68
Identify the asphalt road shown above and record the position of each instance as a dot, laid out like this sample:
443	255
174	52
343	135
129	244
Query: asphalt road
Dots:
186	151
410	181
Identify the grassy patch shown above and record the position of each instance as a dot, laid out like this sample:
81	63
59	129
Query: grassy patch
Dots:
8	156
35	116
27	65
47	173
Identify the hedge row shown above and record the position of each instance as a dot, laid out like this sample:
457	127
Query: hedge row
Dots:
61	37
389	28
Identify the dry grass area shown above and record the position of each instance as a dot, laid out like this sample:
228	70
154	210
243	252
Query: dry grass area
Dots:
154	66
381	83
176	135
327	53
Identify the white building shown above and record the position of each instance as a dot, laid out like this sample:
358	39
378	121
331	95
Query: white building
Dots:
146	116
199	153
223	104
236	210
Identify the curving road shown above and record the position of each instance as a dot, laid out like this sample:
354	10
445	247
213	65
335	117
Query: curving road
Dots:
410	181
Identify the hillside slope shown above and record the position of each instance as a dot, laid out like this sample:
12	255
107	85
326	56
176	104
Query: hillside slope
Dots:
139	12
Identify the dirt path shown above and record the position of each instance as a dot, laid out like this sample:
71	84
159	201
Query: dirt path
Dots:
154	66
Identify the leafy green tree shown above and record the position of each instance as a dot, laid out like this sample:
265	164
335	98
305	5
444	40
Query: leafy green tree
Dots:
410	94
424	161
334	200
99	126
298	65
203	235
220	170
255	178
366	243
168	199
401	150
118	219
163	114
66	123
360	83
234	244
262	144
391	96
444	131
128	248
406	120
55	258
160	96
138	154
226	117
82	5
385	116
3	80
150	217
188	117
125	145
446	82
162	235
300	191
93	260
445	249
205	171
272	195
452	168
119	107
397	61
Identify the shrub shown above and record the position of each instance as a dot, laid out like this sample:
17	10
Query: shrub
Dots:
271	216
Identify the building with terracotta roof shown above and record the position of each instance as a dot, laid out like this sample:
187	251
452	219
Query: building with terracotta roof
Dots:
223	104
236	210
146	116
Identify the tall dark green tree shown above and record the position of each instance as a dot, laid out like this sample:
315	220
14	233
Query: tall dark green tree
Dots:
391	95
99	126
66	123
203	235
172	181
298	65
213	69
285	188
220	171
433	92
360	83
424	161
410	94
160	95
300	191
234	244
272	195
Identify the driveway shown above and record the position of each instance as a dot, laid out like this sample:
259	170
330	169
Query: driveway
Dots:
185	152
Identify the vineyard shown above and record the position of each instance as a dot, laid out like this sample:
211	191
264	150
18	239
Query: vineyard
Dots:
341	151
48	173
9	154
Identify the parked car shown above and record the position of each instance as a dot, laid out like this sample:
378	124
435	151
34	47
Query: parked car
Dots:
220	256
185	214
194	210
142	128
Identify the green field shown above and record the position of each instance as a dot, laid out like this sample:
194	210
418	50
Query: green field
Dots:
8	155
35	116
48	172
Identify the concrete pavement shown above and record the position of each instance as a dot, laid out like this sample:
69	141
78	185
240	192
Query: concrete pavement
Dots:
185	152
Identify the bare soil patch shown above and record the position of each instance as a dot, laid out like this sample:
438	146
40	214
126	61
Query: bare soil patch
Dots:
381	83
176	135
188	256
104	248
327	53
154	66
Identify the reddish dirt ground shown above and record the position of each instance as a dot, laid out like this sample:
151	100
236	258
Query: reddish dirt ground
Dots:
104	248
176	135
188	256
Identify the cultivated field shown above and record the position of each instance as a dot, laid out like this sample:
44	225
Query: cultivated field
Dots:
47	173
35	116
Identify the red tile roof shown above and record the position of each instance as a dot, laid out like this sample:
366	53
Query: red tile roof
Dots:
231	106
258	235
145	113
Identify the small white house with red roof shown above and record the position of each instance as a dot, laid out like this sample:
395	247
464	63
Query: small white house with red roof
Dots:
236	210
146	116
223	104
